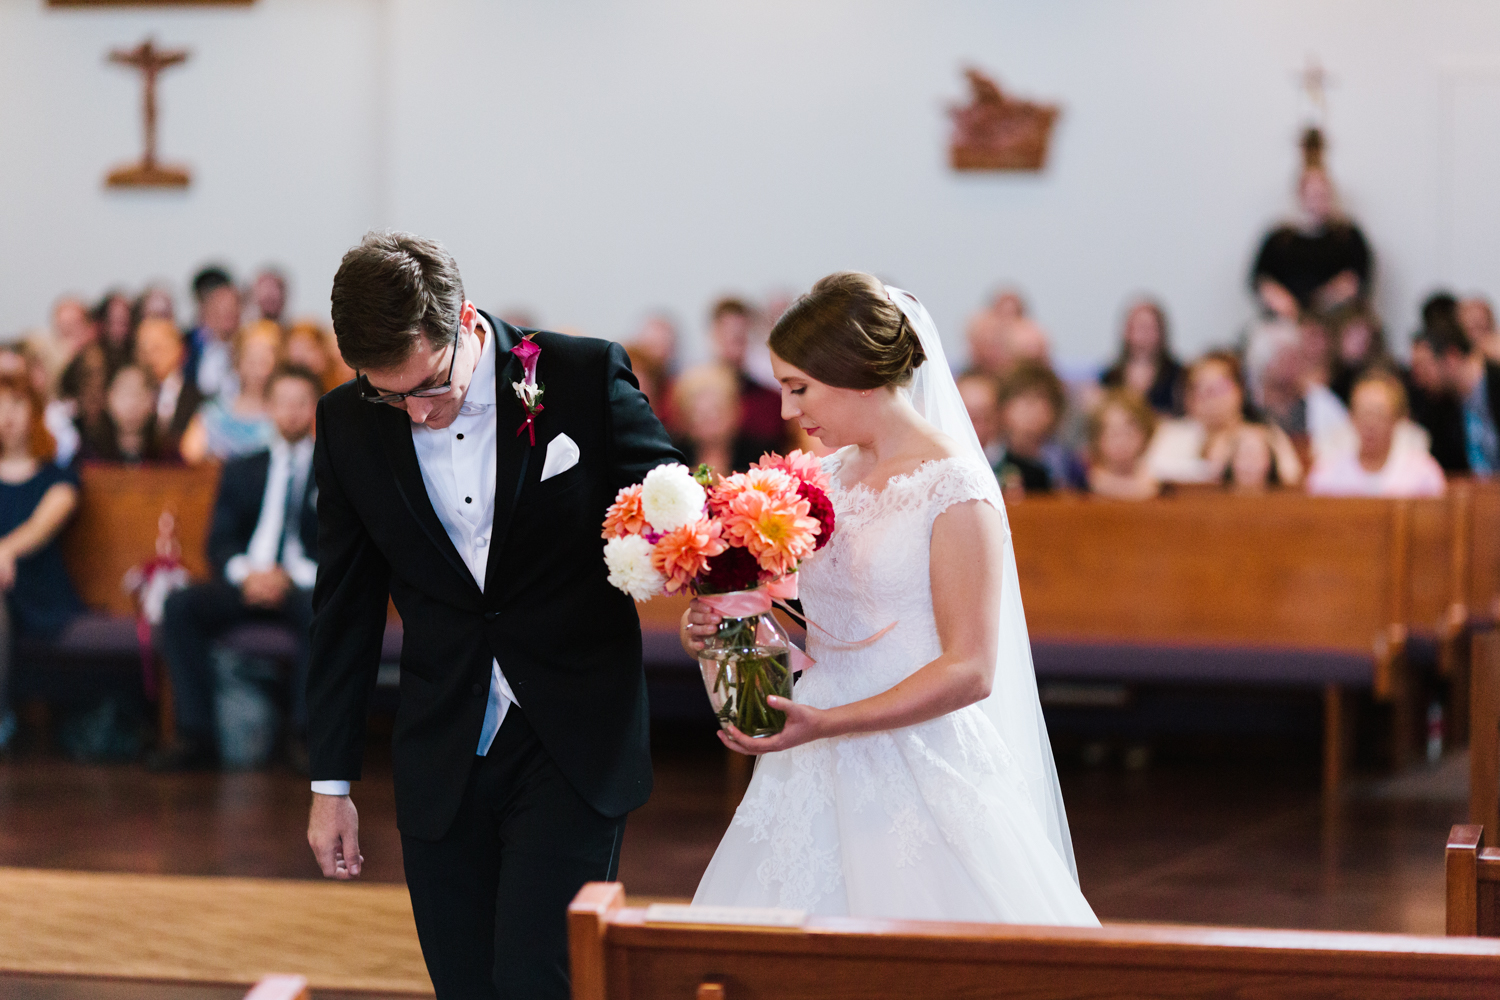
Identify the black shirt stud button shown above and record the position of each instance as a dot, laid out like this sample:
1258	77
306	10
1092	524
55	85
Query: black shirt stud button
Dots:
468	499
460	437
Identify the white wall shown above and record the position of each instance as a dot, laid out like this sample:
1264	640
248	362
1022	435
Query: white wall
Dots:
594	159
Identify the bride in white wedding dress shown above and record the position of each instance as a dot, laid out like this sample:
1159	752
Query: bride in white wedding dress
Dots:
914	778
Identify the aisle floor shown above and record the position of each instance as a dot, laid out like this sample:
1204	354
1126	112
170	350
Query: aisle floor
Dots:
1218	841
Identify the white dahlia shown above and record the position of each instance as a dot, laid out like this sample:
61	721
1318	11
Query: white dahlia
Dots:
671	498
629	561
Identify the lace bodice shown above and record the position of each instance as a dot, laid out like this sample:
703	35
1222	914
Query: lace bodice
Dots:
875	571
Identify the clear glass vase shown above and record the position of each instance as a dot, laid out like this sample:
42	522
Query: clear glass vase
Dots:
743	663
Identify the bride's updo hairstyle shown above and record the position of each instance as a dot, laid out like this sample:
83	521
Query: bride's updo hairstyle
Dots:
847	333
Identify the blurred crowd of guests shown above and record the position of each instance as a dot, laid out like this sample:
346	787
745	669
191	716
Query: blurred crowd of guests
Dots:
1309	395
120	382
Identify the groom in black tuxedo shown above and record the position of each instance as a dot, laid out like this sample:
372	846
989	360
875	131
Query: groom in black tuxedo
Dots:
521	740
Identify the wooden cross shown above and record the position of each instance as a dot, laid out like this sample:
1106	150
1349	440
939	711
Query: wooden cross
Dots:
150	60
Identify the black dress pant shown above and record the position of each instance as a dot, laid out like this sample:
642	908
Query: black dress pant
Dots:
490	898
194	619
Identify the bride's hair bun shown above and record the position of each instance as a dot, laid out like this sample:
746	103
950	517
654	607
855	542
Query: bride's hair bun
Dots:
846	332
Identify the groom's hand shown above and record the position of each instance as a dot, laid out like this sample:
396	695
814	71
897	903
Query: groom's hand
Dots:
333	833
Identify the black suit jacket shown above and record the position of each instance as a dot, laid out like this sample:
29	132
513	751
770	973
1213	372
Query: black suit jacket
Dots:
568	642
242	488
1443	418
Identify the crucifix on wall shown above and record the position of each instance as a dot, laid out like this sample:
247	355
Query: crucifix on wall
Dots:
150	60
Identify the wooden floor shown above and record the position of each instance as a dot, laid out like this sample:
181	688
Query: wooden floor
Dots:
1226	840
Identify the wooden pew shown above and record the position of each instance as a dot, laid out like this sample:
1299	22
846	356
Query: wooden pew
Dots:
1278	589
616	955
116	525
1473	884
1484	733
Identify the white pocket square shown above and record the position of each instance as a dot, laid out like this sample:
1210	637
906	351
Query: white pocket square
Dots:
562	455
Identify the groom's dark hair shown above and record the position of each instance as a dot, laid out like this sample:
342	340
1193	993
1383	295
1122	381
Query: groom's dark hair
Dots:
390	290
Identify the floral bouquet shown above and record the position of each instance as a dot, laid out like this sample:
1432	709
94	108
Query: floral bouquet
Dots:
736	541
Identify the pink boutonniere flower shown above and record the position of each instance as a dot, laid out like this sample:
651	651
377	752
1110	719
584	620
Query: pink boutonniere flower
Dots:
528	391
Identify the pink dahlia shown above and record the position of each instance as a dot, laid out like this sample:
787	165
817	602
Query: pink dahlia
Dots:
682	554
804	465
775	527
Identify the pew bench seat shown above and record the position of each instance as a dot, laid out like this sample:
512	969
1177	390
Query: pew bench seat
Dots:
102	652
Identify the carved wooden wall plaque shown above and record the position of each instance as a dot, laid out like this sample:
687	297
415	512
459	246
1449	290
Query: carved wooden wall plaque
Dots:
996	132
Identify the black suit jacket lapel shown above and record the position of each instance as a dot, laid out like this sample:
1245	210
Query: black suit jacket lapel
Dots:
395	438
512	450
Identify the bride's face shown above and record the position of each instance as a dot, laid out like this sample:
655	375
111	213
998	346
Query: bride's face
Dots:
836	417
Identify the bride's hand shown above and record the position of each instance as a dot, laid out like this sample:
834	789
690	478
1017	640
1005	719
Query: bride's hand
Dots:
699	622
803	725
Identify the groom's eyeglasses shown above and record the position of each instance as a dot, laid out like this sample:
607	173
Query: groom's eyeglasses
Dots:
370	394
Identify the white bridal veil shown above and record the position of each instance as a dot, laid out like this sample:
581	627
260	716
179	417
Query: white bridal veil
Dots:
1013	705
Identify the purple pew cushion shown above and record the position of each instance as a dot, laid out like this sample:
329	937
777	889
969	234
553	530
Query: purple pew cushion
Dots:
1129	662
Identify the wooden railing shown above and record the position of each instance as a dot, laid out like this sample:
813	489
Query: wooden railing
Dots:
617	954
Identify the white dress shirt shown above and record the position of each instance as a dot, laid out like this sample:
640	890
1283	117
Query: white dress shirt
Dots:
458	469
289	472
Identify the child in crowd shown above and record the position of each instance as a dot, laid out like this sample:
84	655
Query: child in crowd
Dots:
1382	466
1252	460
1119	430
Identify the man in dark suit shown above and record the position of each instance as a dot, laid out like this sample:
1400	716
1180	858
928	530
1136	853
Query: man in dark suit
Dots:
262	546
521	737
1463	421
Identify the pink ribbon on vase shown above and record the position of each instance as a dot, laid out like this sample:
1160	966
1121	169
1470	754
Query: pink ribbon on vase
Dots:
751	603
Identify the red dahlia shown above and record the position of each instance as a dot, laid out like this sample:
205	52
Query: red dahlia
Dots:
822	510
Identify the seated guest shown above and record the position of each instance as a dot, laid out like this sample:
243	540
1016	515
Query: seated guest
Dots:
231	425
72	329
1359	344
730	324
1464	431
707	402
156	303
1478	320
159	349
268	295
208	364
1252	460
22	361
1119	429
1002	335
1032	403
127	434
1198	447
653	358
261	544
981	395
36	500
83	387
116	319
312	347
1146	366
1381	467
1293	388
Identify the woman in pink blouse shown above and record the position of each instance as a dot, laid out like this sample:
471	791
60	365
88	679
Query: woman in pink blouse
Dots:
1382	466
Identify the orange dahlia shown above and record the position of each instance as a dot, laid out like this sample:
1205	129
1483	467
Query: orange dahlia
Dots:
775	527
804	465
771	482
625	516
682	554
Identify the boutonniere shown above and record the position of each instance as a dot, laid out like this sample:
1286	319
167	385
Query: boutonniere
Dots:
529	390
